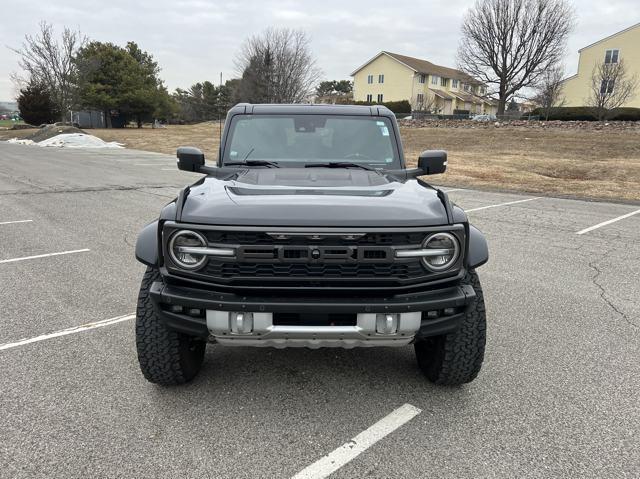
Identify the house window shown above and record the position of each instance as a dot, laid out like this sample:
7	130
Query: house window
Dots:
443	81
380	78
611	56
380	97
454	83
434	80
422	79
420	99
369	98
370	79
606	87
467	87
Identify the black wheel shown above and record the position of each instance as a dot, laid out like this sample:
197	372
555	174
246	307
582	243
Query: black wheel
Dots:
166	357
456	358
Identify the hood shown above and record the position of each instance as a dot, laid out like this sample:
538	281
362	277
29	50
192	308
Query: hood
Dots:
313	197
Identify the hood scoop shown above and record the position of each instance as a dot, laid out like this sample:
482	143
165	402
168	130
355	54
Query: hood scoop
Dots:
306	192
319	178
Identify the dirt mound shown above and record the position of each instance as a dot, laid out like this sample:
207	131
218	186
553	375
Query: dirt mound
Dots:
50	131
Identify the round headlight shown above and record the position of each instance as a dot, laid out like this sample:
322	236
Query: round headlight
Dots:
179	246
448	251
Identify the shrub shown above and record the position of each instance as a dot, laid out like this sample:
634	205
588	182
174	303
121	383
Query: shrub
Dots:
625	114
36	105
584	113
402	106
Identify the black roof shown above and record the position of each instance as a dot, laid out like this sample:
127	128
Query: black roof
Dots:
311	109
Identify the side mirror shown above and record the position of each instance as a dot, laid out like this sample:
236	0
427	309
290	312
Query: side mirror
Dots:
190	159
433	162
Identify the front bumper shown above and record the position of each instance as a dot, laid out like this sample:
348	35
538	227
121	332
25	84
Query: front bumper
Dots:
411	311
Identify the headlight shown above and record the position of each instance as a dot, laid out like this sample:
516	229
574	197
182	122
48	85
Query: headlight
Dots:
180	244
447	248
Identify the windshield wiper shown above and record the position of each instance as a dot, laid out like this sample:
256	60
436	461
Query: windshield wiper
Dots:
270	164
338	164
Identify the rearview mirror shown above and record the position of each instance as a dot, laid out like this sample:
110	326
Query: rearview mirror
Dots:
190	158
433	162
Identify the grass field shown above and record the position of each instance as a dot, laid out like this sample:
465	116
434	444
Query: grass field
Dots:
8	123
590	164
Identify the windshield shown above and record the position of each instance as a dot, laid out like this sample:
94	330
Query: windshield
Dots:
296	140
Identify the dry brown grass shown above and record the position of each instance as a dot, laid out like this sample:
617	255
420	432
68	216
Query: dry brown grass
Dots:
593	164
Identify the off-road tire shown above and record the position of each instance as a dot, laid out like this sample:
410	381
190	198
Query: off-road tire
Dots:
456	358
166	357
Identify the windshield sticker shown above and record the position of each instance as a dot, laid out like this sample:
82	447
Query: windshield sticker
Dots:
384	130
380	123
233	154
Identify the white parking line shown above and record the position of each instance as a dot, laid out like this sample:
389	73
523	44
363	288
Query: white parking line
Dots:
367	438
169	169
65	332
453	189
13	222
503	204
43	255
605	223
148	164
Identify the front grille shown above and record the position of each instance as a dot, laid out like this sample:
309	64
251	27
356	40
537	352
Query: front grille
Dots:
251	238
244	271
314	259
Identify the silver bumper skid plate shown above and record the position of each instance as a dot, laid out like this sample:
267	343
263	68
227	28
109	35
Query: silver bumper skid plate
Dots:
257	329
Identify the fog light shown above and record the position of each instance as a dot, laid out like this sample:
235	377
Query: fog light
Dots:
176	308
449	311
195	312
432	314
387	323
241	323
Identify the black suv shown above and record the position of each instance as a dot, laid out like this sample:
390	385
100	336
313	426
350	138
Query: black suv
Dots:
310	231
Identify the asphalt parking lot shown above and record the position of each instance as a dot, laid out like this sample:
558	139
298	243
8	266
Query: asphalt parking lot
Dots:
558	396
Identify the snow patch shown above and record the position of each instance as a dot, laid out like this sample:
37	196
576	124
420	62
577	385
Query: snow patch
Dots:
70	140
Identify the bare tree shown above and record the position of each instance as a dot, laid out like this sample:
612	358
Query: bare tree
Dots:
277	67
611	87
50	63
548	91
509	44
426	103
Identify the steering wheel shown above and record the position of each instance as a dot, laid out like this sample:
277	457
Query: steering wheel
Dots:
358	155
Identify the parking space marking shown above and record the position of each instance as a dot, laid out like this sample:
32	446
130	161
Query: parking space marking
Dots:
66	332
14	222
367	438
12	260
150	164
605	223
503	204
453	189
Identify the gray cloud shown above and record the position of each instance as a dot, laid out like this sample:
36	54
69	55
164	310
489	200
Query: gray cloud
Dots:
194	40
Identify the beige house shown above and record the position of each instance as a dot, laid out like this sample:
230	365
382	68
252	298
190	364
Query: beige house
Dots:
622	45
427	86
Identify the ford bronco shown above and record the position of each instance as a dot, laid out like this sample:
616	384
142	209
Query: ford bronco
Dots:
311	231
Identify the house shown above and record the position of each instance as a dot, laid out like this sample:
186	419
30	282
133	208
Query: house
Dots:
622	45
427	86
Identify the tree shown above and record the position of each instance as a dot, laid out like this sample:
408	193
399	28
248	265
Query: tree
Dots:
205	101
611	87
122	79
334	87
509	44
548	91
37	105
49	63
276	67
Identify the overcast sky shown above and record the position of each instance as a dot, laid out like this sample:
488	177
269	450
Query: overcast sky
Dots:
195	40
